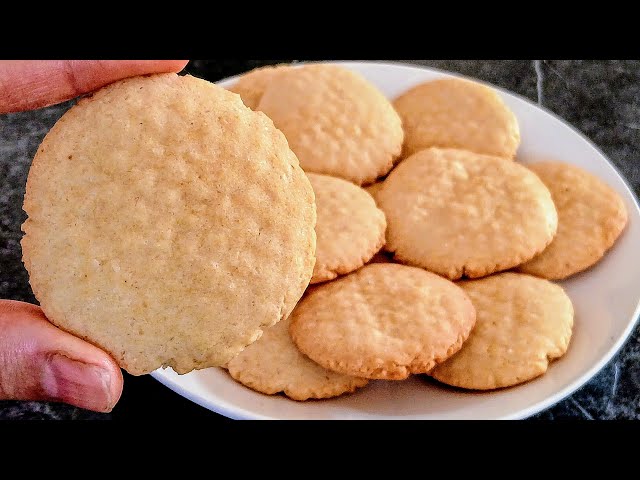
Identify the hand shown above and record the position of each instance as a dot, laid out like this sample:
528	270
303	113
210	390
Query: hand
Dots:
37	360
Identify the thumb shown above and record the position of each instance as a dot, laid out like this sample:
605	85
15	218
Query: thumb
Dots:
40	362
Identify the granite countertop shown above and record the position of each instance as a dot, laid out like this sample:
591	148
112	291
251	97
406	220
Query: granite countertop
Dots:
599	98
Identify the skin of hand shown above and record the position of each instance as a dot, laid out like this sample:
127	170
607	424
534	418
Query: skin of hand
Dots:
37	360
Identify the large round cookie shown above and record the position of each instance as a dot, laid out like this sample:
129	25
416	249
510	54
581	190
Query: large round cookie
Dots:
523	323
457	113
336	122
385	321
168	223
458	213
350	228
273	364
591	217
251	85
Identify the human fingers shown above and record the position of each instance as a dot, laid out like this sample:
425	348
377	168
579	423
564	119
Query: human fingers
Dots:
41	362
31	84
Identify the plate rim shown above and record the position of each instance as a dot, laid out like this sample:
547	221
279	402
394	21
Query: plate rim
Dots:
239	413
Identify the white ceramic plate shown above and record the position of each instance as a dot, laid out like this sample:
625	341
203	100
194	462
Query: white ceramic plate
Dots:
606	301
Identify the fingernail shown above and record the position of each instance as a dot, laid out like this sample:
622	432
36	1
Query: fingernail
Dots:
78	383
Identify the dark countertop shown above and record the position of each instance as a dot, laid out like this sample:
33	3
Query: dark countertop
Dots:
600	98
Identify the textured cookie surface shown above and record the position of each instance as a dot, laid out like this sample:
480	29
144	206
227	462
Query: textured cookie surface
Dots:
459	213
523	323
168	223
350	228
456	113
591	217
273	364
385	321
251	85
336	122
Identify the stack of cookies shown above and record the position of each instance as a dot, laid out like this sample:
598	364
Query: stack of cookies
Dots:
435	248
308	234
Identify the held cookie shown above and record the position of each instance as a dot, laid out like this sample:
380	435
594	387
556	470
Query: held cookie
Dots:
336	122
458	213
385	321
456	113
252	85
350	228
523	323
591	217
273	364
168	223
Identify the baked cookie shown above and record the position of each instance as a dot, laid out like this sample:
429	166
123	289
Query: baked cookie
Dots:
457	113
458	213
350	228
591	217
251	85
273	364
385	321
523	323
336	122
168	223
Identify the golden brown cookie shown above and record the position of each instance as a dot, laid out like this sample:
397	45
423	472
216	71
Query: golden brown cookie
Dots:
457	113
251	85
163	233
336	122
591	217
523	323
458	213
350	228
385	321
273	364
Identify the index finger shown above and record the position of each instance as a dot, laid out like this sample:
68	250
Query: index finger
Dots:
31	84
